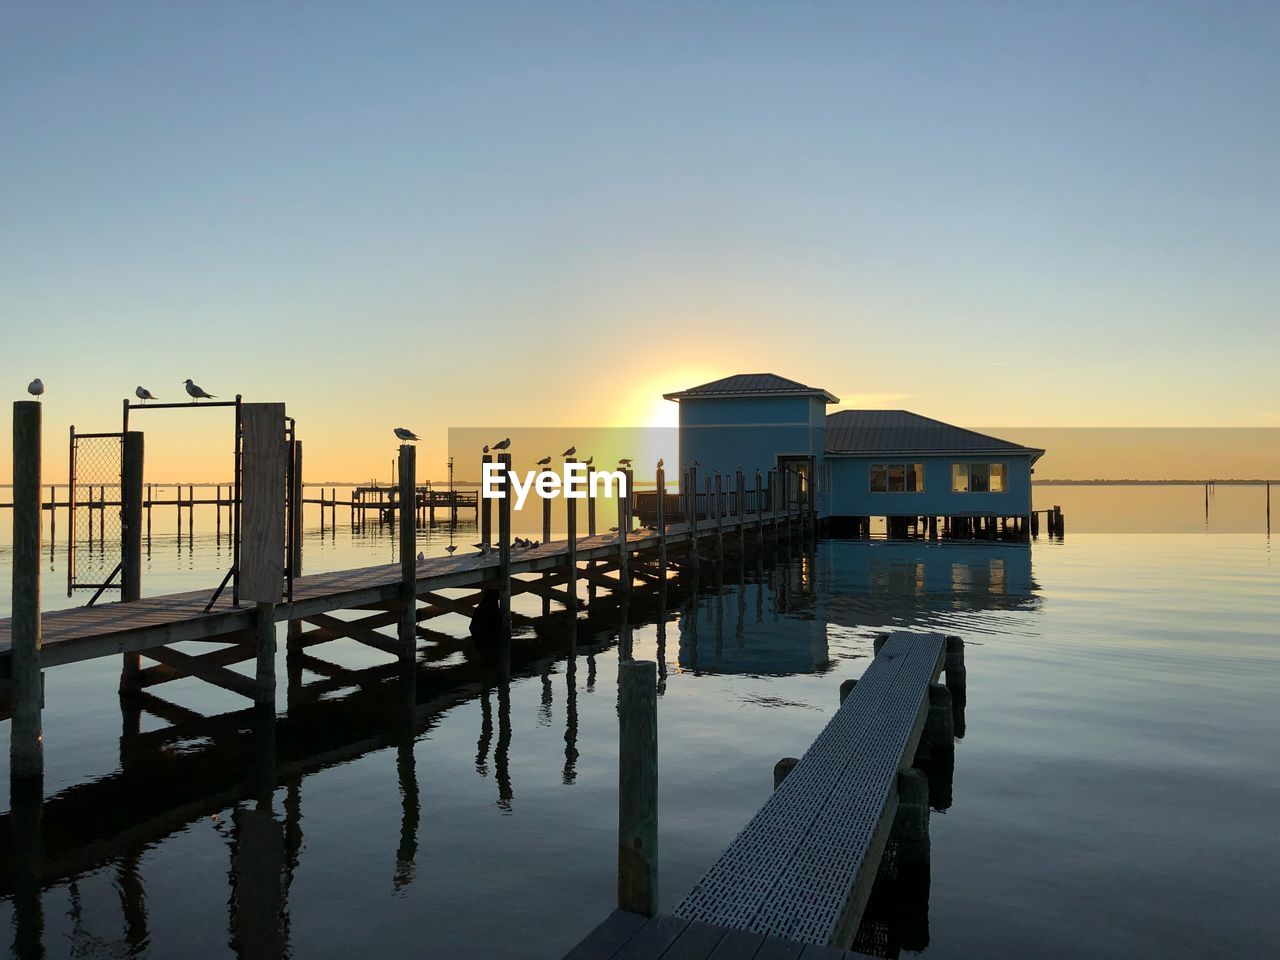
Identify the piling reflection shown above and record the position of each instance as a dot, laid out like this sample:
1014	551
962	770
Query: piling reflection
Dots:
767	611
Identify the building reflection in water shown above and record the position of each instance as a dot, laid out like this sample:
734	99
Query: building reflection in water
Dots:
778	603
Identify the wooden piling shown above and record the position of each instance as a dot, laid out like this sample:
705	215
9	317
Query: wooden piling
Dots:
571	556
660	478
624	527
408	552
782	768
741	509
295	512
486	508
26	756
691	498
504	544
131	543
638	787
265	631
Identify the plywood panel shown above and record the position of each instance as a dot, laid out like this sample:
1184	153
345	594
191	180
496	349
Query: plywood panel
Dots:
263	473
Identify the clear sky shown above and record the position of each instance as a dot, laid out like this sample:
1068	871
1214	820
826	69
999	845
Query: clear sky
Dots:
540	212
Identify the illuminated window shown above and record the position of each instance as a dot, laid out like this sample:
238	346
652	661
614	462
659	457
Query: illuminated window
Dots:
915	478
979	477
897	478
997	477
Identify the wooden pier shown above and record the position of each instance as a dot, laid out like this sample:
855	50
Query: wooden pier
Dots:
402	595
796	881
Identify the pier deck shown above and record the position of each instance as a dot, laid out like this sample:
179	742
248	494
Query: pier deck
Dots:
86	633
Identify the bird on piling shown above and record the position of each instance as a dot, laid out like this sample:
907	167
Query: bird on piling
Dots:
502	444
405	434
486	449
590	460
624	462
544	461
36	387
197	393
570	452
659	463
143	394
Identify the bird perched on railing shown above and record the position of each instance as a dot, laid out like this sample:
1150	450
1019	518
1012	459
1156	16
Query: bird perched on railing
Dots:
36	387
483	548
143	394
502	444
570	452
197	393
405	434
422	557
544	461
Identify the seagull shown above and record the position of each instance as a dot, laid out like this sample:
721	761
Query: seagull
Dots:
35	387
196	393
570	452
624	461
450	548
143	394
590	460
483	548
486	449
533	544
544	461
405	434
659	463
421	557
502	444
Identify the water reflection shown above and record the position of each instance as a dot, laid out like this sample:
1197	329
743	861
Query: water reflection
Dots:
722	618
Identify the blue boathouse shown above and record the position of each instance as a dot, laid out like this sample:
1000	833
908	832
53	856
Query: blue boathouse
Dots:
918	474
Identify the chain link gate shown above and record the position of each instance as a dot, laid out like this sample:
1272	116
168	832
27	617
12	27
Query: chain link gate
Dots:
94	546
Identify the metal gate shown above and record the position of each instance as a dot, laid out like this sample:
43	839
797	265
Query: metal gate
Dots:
94	501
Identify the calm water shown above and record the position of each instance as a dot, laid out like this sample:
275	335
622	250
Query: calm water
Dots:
1115	792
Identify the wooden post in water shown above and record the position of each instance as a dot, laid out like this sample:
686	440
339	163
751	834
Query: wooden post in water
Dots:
486	508
691	502
295	512
624	527
638	787
1268	508
571	553
264	467
131	543
408	553
741	511
26	747
719	513
504	544
660	478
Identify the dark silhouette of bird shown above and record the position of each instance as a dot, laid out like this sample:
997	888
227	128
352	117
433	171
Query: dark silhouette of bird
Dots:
405	434
36	387
570	452
624	461
486	449
544	461
502	444
197	393
143	394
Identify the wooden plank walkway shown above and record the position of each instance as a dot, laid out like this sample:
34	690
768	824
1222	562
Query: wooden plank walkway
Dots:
86	633
795	881
803	866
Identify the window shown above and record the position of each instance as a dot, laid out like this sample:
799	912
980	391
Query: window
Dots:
897	478
879	479
979	477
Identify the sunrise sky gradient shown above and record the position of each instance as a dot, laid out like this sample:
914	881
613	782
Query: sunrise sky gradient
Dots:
1038	214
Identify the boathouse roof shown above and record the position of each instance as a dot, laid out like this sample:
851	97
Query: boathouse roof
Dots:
859	433
746	385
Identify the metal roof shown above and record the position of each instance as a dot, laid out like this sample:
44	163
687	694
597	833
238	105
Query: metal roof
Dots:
874	432
752	385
